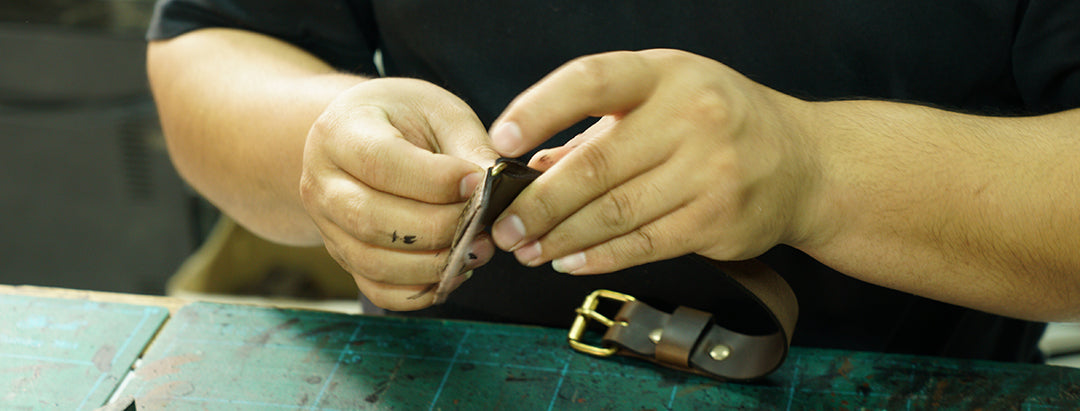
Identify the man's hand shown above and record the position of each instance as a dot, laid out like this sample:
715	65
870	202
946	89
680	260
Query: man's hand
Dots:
386	169
689	157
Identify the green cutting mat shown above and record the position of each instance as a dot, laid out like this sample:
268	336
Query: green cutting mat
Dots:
238	358
68	354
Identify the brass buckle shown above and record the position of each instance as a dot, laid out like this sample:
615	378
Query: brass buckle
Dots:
587	311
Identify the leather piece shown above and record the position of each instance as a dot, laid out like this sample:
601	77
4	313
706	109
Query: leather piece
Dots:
503	187
502	183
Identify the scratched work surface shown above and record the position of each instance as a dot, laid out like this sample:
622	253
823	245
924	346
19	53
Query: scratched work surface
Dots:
68	354
229	357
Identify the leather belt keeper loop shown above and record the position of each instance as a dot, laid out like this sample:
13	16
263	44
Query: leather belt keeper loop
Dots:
680	335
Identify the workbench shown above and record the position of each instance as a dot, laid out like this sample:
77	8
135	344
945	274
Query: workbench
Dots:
81	350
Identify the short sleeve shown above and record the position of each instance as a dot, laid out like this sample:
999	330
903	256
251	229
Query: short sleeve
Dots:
1046	55
341	32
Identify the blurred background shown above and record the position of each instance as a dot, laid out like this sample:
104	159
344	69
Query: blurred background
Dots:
88	197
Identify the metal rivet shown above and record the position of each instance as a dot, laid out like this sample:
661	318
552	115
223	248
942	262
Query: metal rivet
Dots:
720	352
497	168
654	335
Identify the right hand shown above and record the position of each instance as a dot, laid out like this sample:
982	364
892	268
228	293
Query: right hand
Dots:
386	169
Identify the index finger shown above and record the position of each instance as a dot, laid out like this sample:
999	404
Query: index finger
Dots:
589	86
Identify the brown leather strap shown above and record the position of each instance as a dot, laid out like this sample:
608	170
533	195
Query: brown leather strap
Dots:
689	340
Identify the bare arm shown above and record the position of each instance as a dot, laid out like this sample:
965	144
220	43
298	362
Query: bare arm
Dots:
978	211
301	154
236	108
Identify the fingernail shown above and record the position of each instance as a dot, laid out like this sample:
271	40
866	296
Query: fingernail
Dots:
570	263
469	183
542	159
506	137
528	253
480	252
508	232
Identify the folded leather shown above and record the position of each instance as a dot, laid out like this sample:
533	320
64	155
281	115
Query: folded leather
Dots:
502	183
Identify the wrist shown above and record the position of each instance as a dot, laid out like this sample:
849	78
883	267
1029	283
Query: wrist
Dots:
810	212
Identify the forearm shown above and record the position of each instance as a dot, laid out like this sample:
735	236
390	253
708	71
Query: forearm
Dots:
976	211
236	108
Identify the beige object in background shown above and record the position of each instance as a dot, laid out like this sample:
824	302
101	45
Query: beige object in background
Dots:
235	266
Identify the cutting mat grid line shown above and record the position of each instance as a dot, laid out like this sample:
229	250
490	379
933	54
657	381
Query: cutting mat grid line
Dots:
47	359
449	367
146	312
167	349
80	305
671	399
359	326
93	389
558	386
244	358
794	382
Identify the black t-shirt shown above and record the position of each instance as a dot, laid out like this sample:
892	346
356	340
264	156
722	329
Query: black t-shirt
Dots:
982	56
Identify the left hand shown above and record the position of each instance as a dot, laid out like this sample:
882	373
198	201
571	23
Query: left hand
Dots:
689	157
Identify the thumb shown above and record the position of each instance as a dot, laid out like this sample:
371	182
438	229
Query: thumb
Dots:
473	145
463	136
459	133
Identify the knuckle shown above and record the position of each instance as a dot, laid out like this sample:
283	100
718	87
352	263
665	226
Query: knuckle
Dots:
706	105
354	260
356	219
592	73
595	160
370	269
325	124
379	273
645	243
543	210
339	257
672	59
310	190
559	242
336	120
482	151
617	209
372	170
664	54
